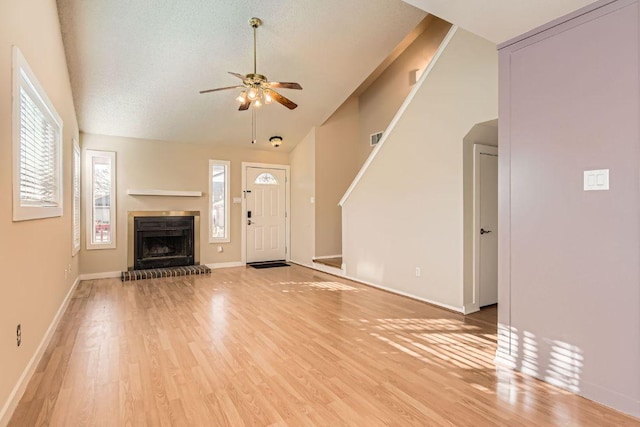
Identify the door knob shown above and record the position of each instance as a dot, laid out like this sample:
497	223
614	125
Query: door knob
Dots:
483	231
249	222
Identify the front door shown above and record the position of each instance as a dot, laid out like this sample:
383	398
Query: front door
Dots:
488	229
266	214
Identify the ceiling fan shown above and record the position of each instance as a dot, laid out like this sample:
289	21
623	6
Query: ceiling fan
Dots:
256	88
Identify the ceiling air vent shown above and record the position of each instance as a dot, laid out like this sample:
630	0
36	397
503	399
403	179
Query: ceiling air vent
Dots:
375	138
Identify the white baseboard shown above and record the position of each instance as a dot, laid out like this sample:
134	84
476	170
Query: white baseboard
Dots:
471	308
340	273
16	394
328	256
226	264
103	275
328	269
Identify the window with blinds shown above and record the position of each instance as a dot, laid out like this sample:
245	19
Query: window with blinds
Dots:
76	198
37	149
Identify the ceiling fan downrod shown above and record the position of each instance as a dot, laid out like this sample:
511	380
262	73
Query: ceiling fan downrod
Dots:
255	23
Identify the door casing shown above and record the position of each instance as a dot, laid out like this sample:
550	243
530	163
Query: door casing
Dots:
243	220
478	149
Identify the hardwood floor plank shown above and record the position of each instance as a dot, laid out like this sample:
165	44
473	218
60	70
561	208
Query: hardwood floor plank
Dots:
277	347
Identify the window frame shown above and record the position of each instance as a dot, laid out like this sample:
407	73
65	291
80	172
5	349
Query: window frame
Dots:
76	188
23	77
89	155
227	217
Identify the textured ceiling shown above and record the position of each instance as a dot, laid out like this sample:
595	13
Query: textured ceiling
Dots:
136	66
499	20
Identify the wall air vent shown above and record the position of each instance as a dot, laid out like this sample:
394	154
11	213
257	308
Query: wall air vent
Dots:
375	138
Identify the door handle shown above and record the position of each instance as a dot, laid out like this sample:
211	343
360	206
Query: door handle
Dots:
249	222
483	231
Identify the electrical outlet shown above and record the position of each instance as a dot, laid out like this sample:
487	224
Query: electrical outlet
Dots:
19	335
418	271
66	273
69	268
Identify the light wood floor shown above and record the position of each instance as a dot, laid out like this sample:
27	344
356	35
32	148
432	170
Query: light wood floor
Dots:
282	346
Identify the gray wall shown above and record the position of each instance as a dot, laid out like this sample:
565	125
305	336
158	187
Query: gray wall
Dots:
569	308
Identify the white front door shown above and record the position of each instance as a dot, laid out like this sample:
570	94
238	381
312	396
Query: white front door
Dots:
266	214
488	229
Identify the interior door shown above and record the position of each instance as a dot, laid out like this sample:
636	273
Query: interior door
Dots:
266	214
488	254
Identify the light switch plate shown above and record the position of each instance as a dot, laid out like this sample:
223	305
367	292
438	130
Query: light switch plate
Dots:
237	200
596	180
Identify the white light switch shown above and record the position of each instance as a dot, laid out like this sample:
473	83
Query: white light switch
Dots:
312	199
237	200
596	180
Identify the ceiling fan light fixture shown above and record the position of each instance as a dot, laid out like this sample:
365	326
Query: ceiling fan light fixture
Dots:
267	97
257	103
242	98
253	93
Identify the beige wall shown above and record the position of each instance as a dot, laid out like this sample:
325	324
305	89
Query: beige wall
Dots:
336	165
486	134
40	247
407	210
381	101
342	142
145	164
303	181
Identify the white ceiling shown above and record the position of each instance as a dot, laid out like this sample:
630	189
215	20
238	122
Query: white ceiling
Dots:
136	66
499	20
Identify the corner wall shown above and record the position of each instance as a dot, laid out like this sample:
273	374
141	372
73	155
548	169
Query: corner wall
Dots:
303	190
33	254
406	211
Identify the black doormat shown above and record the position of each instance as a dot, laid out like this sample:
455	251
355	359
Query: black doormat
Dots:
271	264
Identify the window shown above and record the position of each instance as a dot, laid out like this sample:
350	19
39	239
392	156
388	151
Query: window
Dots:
266	179
100	196
37	147
219	201
76	197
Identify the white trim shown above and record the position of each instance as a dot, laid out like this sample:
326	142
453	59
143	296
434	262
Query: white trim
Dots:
478	149
287	169
217	265
398	115
18	390
336	272
88	198
102	275
76	152
23	76
227	201
327	268
173	193
328	256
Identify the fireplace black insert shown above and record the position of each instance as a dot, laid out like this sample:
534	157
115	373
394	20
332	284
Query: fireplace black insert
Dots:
163	241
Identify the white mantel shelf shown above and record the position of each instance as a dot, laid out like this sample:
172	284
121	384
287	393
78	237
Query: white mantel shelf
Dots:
173	193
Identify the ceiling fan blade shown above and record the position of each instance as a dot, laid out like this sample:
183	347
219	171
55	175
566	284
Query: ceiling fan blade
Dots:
285	85
282	100
220	88
240	76
245	105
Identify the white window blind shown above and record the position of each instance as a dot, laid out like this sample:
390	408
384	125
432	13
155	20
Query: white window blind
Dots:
38	154
37	147
76	198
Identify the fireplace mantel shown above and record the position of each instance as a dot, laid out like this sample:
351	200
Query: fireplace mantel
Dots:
173	193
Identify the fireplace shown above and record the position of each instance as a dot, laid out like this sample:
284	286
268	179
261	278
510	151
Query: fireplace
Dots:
159	239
